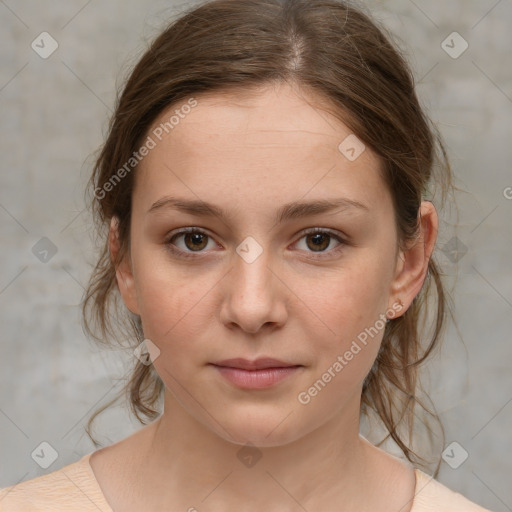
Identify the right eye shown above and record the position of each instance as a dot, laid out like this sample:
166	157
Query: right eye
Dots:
194	240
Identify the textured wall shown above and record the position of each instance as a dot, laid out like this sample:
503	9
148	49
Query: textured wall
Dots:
54	111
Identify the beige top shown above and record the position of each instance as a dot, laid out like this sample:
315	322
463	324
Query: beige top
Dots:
75	488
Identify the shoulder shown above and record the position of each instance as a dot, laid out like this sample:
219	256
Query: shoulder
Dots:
431	495
70	488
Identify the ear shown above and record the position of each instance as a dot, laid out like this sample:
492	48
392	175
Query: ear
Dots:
412	264
124	274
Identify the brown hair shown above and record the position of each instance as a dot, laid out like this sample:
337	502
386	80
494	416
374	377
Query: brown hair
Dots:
339	54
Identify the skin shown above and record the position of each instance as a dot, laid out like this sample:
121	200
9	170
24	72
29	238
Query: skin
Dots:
250	154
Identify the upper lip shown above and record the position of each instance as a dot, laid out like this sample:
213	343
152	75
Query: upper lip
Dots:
257	364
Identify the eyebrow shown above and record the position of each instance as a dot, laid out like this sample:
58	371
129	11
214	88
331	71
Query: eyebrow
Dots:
289	211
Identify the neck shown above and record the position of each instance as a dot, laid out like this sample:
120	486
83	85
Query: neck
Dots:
182	456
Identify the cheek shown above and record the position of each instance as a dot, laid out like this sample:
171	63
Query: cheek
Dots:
351	298
342	360
351	307
175	320
179	306
173	300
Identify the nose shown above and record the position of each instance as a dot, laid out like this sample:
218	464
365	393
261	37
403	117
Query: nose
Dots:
254	296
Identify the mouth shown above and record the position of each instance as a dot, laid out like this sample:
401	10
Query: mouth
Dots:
261	363
257	374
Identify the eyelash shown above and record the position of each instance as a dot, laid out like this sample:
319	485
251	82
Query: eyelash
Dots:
188	254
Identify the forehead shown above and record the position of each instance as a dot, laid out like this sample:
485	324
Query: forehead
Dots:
268	140
275	116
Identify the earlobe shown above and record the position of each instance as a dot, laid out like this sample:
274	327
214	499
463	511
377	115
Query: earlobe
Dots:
124	273
412	264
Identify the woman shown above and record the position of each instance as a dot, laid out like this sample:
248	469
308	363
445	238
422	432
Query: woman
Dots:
264	183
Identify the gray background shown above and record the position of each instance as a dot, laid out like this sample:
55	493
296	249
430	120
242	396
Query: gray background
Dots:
54	112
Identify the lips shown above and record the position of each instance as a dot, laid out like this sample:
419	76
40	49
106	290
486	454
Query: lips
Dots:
257	364
260	373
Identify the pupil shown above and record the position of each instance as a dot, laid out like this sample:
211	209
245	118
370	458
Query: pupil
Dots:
196	239
317	240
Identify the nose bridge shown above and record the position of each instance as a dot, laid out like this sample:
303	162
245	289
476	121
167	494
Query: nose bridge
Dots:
252	296
252	277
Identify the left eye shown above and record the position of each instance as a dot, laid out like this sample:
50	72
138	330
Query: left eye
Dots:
319	240
195	240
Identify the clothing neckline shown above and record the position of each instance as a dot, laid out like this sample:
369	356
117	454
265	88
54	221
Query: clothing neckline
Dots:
421	479
105	506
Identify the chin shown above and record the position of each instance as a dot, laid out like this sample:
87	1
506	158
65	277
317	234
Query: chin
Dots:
264	431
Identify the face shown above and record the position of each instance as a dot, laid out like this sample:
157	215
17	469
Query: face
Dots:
267	271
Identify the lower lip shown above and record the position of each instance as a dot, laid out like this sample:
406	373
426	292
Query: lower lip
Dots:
256	379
